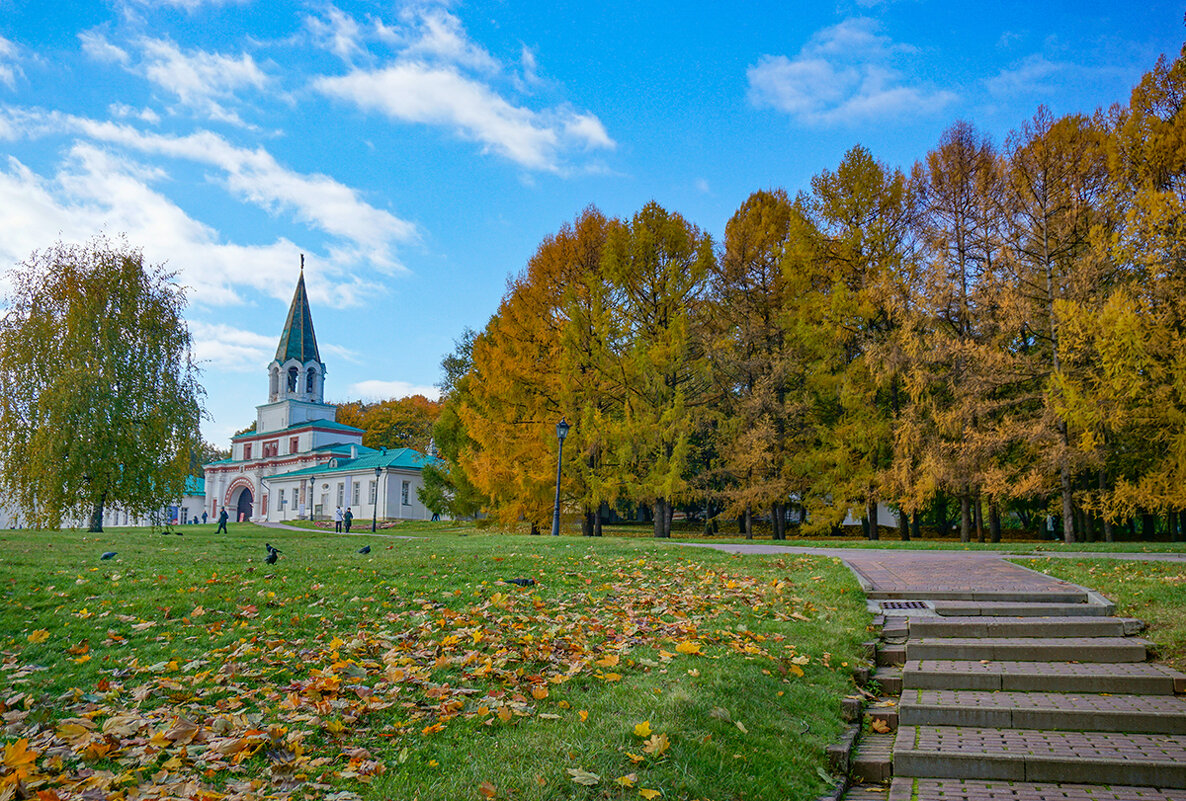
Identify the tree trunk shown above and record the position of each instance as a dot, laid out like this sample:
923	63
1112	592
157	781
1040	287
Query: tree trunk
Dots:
979	518
741	524
534	530
994	522
903	526
965	518
658	518
1088	527
941	516
775	524
1068	507
915	526
749	523
597	522
1148	527
97	514
871	514
587	523
1103	482
669	507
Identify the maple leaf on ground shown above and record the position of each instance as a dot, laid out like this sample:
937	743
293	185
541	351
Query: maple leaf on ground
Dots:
656	745
628	780
487	790
688	647
39	636
584	777
649	794
642	729
879	726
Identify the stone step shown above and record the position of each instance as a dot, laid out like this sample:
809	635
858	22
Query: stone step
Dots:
1149	714
1030	649
1010	609
912	789
995	626
889	679
873	759
891	654
984	596
883	711
953	752
1136	678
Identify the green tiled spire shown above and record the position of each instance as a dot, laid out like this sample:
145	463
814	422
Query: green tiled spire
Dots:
298	340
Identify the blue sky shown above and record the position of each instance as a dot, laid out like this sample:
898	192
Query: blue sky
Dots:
417	153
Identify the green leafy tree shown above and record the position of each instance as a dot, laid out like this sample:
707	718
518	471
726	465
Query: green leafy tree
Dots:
99	397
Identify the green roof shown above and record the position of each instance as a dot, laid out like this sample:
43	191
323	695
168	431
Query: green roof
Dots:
195	485
333	425
298	340
399	458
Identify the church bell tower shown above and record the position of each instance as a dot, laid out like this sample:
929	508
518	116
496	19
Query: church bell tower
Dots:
297	372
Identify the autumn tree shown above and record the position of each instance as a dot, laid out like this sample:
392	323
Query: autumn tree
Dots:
753	366
447	487
395	423
99	396
1055	182
850	265
956	376
525	379
1132	405
656	269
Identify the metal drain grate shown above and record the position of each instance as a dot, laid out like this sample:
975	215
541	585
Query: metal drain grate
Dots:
904	605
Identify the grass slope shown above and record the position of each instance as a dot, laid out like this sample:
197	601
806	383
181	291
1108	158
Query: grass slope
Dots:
1152	591
186	667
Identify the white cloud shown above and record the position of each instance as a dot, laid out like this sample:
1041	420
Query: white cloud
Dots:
843	74
254	176
1032	75
224	348
702	186
376	390
96	190
201	81
186	5
440	77
126	111
9	69
338	32
95	45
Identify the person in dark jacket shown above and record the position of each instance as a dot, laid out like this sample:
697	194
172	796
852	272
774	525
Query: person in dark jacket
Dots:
222	518
348	518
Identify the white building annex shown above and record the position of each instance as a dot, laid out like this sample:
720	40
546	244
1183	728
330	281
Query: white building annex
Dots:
298	462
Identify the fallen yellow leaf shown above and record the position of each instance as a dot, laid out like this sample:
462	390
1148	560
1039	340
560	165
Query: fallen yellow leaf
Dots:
642	729
688	647
628	780
649	794
39	636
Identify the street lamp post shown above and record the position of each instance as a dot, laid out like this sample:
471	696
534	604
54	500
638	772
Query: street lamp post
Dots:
561	433
375	505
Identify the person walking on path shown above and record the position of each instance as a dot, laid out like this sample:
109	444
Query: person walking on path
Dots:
203	517
222	518
338	520
348	518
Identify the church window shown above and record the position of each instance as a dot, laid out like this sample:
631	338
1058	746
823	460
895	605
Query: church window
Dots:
271	449
294	444
310	379
341	493
247	450
281	500
292	379
357	489
404	493
374	490
275	382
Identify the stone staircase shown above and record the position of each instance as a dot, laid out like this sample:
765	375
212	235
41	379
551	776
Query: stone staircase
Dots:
1018	697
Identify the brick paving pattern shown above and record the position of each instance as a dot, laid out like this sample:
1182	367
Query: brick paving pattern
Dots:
1025	743
908	789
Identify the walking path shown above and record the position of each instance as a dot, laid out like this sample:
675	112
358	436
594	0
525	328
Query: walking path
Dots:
1002	684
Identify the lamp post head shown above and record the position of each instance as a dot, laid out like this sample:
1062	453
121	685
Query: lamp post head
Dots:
378	471
562	429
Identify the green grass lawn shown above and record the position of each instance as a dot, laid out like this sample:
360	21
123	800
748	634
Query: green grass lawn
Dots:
1152	591
629	670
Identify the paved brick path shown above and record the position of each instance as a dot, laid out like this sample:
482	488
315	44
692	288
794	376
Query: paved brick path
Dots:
995	710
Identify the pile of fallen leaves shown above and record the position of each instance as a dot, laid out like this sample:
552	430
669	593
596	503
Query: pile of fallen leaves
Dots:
269	716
